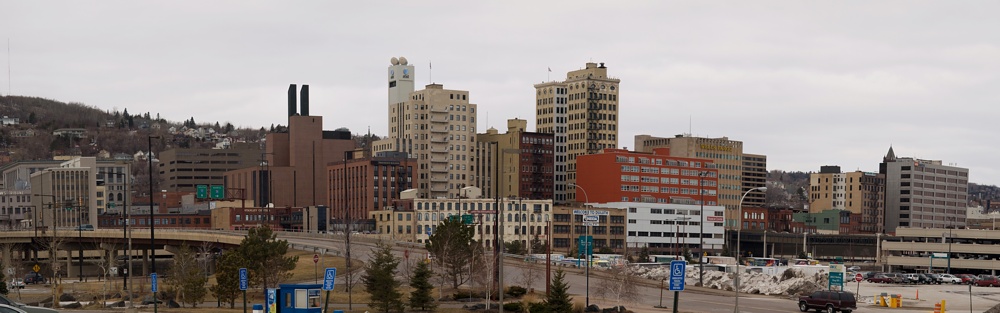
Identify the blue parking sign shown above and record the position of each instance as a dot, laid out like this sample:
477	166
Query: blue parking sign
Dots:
329	277
244	280
677	273
152	278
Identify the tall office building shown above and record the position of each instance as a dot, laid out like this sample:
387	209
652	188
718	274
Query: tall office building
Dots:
923	193
738	171
183	169
860	193
582	113
435	126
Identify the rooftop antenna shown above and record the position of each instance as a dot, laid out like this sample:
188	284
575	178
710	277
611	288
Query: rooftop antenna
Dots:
8	66
689	126
430	72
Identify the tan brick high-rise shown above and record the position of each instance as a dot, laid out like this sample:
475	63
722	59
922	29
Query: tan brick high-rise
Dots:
435	126
582	113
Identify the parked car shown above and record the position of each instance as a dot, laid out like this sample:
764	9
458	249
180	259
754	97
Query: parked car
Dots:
15	284
928	279
948	279
987	281
967	278
829	302
24	308
34	278
913	278
854	268
84	227
895	278
881	279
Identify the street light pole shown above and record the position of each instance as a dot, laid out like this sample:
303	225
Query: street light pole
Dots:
152	227
739	227
701	231
79	240
586	240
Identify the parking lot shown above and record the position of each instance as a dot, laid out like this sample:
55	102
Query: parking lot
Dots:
923	297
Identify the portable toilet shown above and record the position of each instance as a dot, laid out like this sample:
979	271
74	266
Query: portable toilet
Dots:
300	298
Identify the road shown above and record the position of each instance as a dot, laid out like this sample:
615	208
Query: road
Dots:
693	300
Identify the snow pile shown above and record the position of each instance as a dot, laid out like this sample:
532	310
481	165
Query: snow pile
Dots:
792	282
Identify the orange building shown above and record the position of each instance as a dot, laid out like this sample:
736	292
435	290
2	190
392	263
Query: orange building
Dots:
618	175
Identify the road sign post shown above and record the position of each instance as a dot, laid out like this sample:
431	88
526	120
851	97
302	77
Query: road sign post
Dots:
154	287
316	268
678	271
244	283
329	277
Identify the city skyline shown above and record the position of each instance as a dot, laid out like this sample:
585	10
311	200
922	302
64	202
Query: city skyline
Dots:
807	84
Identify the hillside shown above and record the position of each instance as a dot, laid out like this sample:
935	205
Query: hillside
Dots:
112	132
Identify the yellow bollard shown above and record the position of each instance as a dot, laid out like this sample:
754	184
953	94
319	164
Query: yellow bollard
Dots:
942	306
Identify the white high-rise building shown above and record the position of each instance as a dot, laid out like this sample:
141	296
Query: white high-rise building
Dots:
434	125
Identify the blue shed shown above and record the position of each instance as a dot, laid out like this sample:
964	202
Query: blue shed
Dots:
299	298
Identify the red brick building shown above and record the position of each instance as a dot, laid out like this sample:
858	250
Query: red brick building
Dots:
618	175
200	220
372	183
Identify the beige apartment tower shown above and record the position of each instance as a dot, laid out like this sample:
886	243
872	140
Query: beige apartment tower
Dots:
435	126
738	172
582	114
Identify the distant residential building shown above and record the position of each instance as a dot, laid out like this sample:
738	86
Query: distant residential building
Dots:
522	220
738	171
526	159
24	133
582	113
923	193
9	120
71	132
618	175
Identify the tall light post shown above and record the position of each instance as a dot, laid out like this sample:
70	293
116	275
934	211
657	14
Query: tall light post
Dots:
586	240
701	231
125	221
152	227
739	227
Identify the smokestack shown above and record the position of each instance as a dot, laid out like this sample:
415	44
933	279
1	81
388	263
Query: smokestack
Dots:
304	99
291	99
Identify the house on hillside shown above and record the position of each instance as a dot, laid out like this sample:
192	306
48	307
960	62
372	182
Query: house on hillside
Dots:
9	121
71	132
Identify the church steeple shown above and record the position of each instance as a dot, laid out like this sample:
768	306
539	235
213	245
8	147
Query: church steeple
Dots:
889	157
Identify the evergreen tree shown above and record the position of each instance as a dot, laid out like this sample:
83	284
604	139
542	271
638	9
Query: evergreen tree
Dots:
32	118
558	299
227	277
420	297
265	257
380	280
644	255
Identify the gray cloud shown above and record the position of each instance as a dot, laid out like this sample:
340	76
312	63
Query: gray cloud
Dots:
806	83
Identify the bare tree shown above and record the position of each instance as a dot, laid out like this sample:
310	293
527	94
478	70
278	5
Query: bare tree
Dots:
52	245
620	285
529	274
105	261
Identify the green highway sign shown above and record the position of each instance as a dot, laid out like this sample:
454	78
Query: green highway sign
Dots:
201	191
586	245
218	192
837	279
467	219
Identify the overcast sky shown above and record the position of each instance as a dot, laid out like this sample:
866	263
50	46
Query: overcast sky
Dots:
807	83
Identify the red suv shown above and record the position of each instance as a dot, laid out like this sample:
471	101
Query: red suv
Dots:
829	302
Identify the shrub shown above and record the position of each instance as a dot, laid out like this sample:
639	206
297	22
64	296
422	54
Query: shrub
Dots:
513	307
516	291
